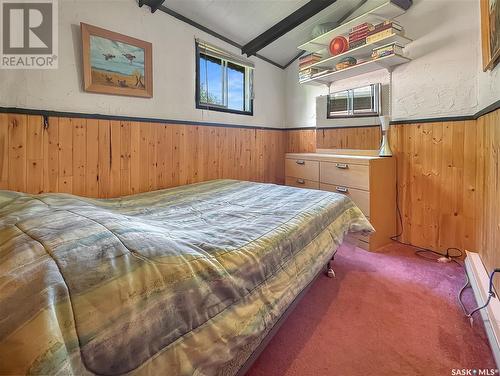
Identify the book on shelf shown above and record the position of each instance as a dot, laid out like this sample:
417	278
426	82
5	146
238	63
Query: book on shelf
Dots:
386	33
388	49
357	44
386	26
308	64
309	57
365	25
358	34
357	37
366	30
309	60
315	75
361	31
311	73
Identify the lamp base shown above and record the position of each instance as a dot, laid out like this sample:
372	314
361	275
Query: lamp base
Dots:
385	149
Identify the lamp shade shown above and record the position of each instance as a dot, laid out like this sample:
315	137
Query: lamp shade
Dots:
385	120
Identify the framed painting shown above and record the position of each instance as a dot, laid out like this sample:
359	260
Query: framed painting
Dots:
115	63
490	33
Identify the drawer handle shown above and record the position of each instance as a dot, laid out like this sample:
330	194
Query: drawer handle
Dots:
301	181
300	161
342	165
342	189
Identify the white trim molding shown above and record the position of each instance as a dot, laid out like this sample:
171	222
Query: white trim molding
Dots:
479	280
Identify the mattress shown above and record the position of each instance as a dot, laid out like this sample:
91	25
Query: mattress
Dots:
177	282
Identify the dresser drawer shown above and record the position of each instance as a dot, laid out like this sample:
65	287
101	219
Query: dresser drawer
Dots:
301	183
360	198
301	168
345	174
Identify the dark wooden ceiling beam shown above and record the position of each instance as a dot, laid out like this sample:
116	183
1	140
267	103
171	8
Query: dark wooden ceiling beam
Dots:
285	25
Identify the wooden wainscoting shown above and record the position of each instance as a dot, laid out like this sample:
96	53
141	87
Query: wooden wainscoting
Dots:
439	183
449	184
488	220
301	141
366	138
103	158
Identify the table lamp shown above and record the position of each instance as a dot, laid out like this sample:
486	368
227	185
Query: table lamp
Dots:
385	149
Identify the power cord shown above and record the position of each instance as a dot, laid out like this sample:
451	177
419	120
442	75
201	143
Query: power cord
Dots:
491	294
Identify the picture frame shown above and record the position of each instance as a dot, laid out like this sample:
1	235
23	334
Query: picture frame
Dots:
490	33
116	64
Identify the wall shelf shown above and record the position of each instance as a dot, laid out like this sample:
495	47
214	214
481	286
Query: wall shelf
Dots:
385	62
386	11
362	51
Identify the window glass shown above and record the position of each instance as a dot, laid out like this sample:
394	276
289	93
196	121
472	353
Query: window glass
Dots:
211	80
236	87
223	84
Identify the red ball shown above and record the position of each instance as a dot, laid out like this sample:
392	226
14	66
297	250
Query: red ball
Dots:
338	45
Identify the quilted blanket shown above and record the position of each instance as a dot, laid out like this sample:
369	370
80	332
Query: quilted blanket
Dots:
172	282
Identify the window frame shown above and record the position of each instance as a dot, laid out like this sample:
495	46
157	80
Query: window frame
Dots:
376	97
214	107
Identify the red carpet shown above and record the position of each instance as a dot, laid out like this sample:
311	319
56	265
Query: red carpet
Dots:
389	313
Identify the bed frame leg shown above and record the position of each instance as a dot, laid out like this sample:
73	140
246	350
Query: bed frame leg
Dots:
330	273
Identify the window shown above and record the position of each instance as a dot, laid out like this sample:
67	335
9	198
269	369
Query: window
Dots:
223	82
361	101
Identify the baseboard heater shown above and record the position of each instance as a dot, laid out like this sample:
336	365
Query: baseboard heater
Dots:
479	280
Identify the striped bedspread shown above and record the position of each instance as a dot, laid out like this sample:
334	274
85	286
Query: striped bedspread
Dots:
172	282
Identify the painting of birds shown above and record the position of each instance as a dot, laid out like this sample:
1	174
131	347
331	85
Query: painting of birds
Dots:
118	64
129	57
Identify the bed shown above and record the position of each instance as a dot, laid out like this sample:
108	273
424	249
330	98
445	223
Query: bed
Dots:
182	281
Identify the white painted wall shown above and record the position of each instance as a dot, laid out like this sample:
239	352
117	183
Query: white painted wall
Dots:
300	99
173	65
445	77
442	78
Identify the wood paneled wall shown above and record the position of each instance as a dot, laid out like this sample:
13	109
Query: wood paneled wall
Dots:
301	141
306	141
366	138
102	158
488	220
438	167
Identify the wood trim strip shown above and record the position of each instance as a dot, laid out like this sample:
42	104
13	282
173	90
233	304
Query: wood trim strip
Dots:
48	113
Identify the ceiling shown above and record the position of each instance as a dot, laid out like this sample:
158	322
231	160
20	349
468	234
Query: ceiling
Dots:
243	20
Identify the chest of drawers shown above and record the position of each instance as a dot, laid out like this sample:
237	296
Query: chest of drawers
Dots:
370	181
